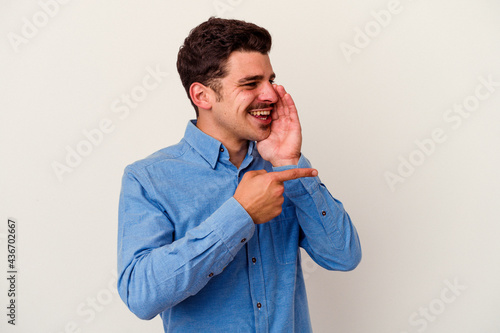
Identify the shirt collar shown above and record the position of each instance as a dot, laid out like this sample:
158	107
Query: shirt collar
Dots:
208	147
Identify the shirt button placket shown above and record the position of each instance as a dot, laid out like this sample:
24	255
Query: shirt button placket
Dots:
257	283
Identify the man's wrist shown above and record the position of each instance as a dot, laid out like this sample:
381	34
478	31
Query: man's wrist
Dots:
285	162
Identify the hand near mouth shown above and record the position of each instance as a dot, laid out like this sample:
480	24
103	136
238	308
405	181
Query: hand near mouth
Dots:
282	146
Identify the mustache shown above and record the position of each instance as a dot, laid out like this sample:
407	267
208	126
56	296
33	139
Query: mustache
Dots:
260	106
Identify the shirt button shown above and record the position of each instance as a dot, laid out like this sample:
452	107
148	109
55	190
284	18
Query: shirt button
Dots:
243	240
211	274
221	149
323	213
254	260
259	305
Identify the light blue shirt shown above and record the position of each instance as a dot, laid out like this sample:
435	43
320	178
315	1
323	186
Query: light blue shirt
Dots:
187	250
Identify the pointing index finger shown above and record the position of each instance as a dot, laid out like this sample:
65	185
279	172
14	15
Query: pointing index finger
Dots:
282	176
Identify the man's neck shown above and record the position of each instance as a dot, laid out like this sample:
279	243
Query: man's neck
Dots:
236	148
237	153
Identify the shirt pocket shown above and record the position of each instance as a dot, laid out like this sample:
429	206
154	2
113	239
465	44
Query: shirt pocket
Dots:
285	236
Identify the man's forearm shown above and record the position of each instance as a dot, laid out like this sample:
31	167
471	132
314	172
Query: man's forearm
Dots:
330	237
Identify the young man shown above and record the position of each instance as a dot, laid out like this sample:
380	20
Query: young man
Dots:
210	228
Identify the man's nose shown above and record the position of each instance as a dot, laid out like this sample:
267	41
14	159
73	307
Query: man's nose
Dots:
268	94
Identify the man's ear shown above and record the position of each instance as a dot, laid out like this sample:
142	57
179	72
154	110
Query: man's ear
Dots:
200	95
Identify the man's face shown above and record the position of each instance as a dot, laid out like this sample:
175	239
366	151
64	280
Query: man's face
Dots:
247	98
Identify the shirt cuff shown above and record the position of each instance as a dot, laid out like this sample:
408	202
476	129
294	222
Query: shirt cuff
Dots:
300	186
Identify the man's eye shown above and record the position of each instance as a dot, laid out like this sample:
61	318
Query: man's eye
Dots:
251	84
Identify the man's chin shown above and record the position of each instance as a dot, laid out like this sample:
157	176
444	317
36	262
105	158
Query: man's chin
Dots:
265	132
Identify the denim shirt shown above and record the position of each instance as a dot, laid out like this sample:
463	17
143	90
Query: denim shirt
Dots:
187	250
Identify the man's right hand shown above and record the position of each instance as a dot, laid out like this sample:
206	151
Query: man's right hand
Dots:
261	192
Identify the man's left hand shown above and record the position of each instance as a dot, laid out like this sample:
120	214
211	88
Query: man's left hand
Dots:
282	146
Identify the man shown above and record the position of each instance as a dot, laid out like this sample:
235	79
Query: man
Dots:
210	228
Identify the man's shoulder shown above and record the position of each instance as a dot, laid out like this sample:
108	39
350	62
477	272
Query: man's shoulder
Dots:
167	155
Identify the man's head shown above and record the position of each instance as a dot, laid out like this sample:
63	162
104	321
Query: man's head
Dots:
205	53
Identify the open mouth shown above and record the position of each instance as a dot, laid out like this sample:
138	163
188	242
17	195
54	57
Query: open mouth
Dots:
261	114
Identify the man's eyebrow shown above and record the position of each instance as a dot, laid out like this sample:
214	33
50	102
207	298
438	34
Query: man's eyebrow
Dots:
255	78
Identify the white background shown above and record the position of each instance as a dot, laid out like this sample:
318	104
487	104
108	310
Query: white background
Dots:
362	114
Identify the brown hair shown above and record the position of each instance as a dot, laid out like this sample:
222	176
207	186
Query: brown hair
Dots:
203	56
